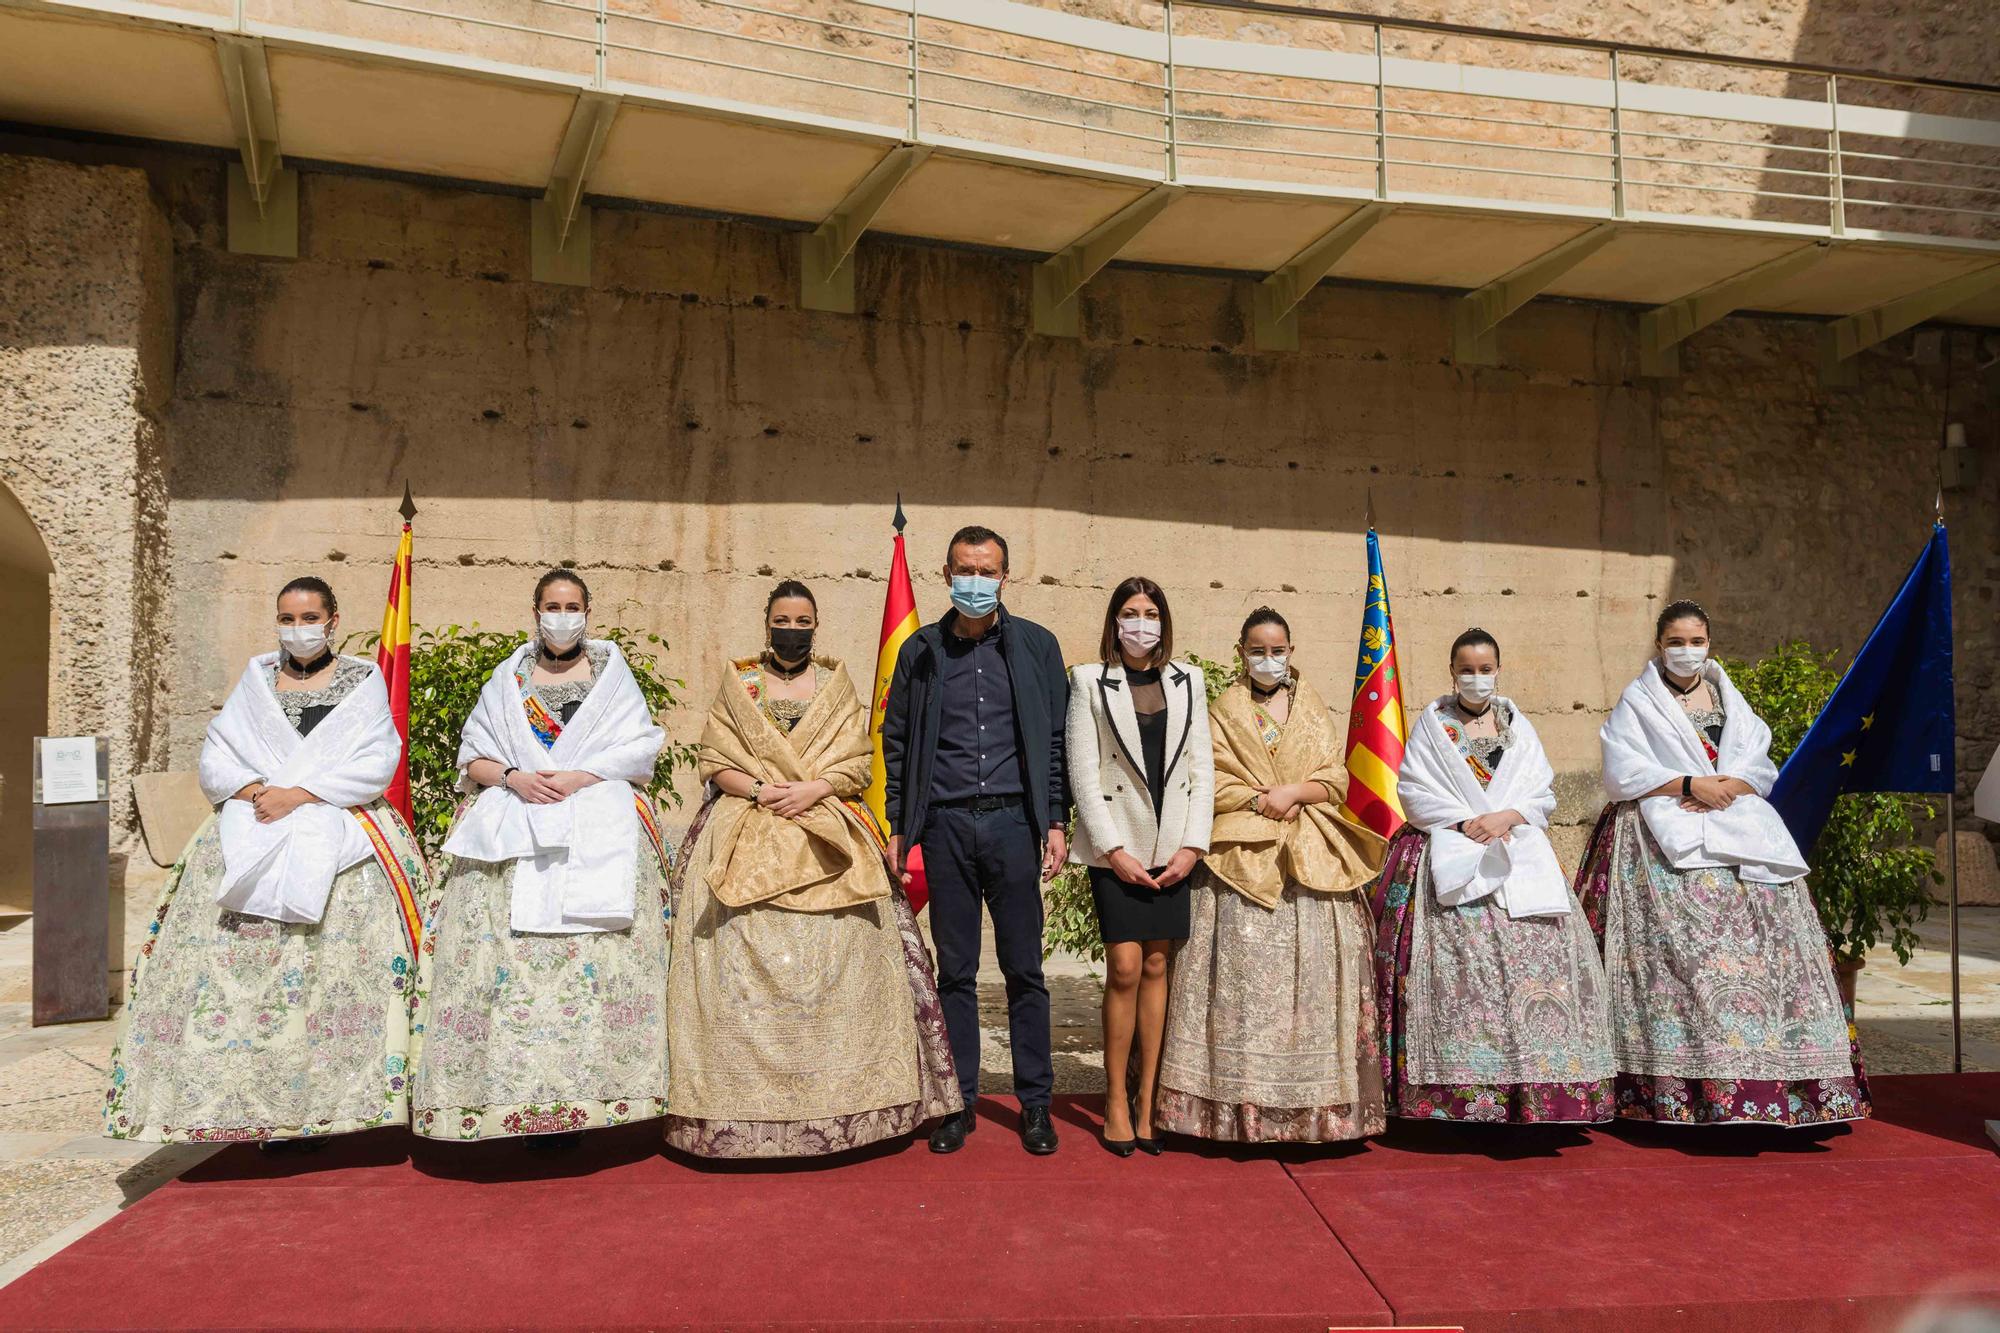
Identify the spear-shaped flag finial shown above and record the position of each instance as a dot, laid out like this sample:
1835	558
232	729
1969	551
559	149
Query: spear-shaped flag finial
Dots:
409	506
1371	508
900	520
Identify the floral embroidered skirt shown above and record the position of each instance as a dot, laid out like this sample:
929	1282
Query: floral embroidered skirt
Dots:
797	1034
537	1034
1724	1008
1485	1017
242	1028
1271	1032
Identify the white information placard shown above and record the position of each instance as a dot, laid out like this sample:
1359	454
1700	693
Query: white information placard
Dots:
69	769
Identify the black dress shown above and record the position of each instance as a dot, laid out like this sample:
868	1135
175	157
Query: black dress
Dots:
1131	912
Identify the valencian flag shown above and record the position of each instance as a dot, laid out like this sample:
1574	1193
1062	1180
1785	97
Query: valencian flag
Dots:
899	622
1890	725
392	657
1375	721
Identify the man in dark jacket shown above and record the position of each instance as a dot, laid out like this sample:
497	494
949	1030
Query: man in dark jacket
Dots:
973	749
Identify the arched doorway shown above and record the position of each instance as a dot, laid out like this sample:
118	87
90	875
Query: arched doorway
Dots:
24	693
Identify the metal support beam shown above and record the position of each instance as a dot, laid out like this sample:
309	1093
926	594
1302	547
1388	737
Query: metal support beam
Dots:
1663	328
559	222
1275	300
263	194
826	268
1480	312
1842	338
1061	276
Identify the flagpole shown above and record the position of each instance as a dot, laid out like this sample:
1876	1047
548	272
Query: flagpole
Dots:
1951	842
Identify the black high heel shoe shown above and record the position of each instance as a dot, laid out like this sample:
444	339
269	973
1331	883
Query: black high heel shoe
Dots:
1120	1147
1150	1147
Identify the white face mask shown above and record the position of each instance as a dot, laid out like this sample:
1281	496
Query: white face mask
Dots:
1684	662
1475	688
1273	670
561	629
303	642
1139	635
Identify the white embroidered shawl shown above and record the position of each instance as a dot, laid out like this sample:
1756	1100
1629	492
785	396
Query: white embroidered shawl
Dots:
576	861
1438	789
284	870
1649	741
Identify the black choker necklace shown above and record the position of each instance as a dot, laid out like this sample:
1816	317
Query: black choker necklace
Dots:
783	672
1684	693
1259	692
1468	714
552	655
312	668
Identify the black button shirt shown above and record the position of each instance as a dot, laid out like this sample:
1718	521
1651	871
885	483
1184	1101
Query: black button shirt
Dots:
977	754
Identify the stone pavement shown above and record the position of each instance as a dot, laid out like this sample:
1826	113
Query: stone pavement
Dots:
58	1179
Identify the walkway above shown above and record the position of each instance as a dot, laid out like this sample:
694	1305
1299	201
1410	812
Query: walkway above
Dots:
1276	142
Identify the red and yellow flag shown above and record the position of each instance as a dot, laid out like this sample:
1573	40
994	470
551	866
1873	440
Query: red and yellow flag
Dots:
1375	721
899	622
392	657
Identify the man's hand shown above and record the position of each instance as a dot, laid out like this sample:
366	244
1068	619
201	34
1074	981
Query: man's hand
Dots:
1126	866
1055	850
896	861
1178	868
274	803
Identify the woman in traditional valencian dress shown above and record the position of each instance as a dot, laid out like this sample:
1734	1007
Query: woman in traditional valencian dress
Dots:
803	1013
1723	1002
271	999
1271	1029
545	962
1494	1004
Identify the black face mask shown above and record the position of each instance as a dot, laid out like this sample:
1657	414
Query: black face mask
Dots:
791	645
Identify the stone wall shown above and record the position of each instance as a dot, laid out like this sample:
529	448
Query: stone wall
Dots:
686	436
86	359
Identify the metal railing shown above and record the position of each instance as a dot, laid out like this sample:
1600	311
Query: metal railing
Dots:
1265	98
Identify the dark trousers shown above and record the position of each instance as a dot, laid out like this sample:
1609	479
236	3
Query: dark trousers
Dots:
991	857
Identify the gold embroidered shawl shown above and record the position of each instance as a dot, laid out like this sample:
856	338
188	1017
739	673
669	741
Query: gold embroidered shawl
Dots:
1325	849
824	860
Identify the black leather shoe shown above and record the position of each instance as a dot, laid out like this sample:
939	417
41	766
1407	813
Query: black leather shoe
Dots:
1038	1133
1121	1147
950	1134
1150	1147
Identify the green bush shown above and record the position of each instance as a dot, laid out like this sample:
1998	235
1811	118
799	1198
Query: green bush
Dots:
1868	873
1071	925
449	666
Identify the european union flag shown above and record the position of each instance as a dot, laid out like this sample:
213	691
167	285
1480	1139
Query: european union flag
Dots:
1890	724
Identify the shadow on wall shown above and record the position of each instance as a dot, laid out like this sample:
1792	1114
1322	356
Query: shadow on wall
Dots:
688	377
24	694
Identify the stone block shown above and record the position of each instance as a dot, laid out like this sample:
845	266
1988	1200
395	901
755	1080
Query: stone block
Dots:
1978	871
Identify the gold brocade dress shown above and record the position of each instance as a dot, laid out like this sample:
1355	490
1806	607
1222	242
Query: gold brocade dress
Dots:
1271	1026
796	1033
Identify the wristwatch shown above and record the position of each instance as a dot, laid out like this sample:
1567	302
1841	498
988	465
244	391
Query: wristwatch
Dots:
1687	789
508	772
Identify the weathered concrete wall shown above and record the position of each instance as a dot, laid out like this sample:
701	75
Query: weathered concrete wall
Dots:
85	366
686	435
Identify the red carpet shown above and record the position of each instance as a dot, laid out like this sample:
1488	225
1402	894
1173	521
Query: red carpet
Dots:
1635	1228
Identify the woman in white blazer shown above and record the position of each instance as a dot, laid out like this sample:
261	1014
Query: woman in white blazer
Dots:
1142	773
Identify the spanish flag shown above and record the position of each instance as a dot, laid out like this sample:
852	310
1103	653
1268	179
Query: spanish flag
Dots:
392	658
899	622
1375	720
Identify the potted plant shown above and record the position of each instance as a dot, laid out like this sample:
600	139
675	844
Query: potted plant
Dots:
1870	877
